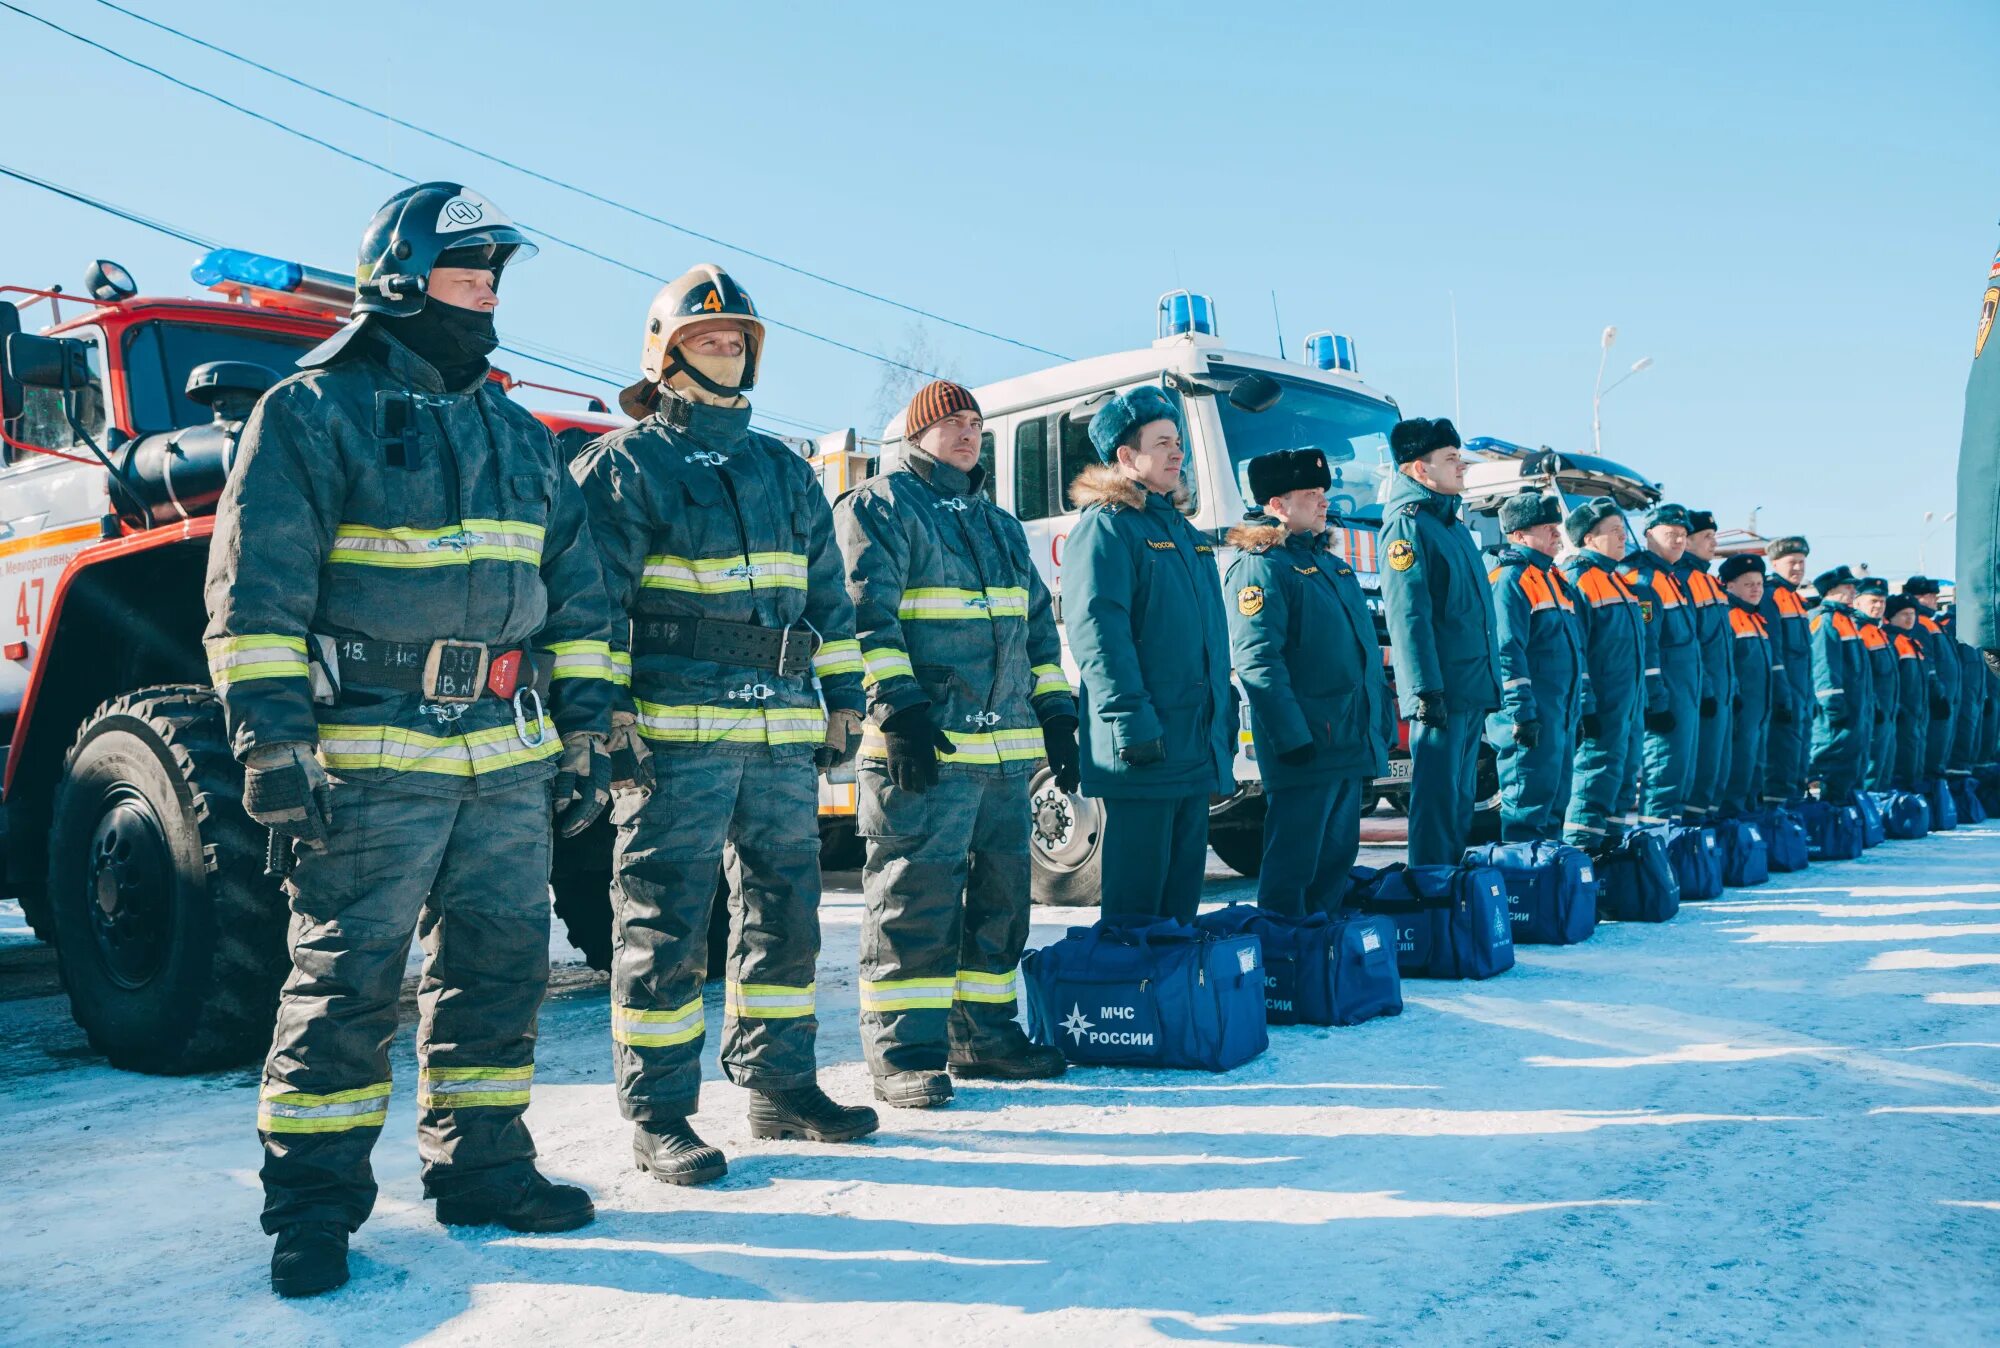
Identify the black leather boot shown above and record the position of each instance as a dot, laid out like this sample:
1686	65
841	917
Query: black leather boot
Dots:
913	1090
806	1112
537	1205
309	1259
672	1152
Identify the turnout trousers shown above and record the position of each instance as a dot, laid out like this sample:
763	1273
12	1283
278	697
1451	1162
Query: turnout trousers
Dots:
1312	836
1444	766
469	876
1155	856
665	865
946	893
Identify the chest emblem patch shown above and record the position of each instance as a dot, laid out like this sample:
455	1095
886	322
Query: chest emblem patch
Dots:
1646	609
1250	600
1402	554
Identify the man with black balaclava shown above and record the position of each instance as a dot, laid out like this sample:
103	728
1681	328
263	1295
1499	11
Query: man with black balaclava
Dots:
736	627
408	631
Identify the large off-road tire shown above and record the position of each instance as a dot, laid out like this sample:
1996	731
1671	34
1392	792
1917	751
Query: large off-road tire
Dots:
169	936
581	879
1065	845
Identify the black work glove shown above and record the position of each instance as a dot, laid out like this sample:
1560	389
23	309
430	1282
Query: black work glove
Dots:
631	756
1781	712
1736	702
1591	724
1661	722
914	744
1431	710
1299	757
1940	705
1059	743
1707	708
285	789
1527	734
583	783
1144	754
1880	716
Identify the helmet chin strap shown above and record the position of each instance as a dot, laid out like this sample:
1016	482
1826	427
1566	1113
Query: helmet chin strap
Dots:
722	380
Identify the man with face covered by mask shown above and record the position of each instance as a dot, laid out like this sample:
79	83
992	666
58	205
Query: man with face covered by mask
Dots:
409	635
737	629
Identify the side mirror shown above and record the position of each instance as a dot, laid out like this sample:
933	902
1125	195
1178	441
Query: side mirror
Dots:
228	388
10	387
1255	393
47	362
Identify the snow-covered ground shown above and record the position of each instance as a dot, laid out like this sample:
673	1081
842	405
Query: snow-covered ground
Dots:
1772	1121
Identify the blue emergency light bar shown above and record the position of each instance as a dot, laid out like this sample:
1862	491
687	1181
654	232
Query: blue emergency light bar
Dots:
1183	312
240	273
1331	351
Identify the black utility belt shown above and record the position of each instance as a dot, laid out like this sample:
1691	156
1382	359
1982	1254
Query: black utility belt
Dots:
444	671
782	650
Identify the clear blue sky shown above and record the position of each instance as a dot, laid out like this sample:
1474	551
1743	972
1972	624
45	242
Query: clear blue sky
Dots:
1790	207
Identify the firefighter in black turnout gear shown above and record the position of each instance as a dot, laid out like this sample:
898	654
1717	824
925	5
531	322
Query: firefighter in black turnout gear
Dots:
408	632
735	626
967	695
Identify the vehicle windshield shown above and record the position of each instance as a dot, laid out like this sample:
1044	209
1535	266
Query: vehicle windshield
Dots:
160	356
1351	428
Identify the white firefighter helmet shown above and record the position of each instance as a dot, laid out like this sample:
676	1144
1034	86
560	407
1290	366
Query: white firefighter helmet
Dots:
704	296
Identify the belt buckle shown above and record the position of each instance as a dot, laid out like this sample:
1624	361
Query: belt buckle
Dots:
785	665
455	671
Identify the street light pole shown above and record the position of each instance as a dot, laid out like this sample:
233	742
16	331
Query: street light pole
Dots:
1596	436
1924	534
1597	393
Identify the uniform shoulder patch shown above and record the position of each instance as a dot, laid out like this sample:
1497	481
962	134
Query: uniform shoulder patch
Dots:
1250	600
1402	554
1646	609
1410	511
1204	547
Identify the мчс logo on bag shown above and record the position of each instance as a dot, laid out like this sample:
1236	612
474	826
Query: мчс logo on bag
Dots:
1085	1031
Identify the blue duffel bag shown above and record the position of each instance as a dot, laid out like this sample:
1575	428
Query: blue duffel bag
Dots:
1635	879
1873	834
1905	815
1697	862
1833	832
1965	795
1746	859
1987	781
1319	970
1159	995
1551	890
1944	811
1451	921
1785	839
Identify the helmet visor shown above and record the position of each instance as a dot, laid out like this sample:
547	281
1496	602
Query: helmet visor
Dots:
487	249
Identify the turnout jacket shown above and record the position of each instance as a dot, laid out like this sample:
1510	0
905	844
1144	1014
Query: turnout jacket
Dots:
1542	669
949	610
698	516
1440	608
1142	600
1784	615
1306	652
368	501
1713	631
1614	635
1673	651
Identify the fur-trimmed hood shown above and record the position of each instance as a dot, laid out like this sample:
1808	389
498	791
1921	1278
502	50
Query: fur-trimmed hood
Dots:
1256	536
1102	484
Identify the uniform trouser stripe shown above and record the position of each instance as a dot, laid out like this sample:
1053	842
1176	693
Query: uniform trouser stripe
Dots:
658	1029
471	1087
769	1001
996	989
907	994
283	1111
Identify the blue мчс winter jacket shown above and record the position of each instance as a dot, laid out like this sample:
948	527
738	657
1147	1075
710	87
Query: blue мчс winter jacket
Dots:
1440	608
1305	649
1142	600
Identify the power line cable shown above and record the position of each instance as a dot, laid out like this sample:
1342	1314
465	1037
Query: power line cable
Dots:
553	357
361	159
580	190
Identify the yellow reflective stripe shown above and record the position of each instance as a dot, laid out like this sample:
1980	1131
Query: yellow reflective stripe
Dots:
969	746
943	601
885	663
583	660
356	747
704	724
261	655
1049	679
657	1029
283	1111
724	575
621	668
838	657
997	989
769	1001
907	994
471	1087
473	540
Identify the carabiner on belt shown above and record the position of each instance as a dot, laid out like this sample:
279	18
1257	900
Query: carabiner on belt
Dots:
521	718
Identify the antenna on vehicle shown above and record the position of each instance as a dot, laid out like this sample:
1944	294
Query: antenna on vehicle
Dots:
1278	325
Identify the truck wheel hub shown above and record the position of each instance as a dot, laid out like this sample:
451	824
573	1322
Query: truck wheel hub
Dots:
131	885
